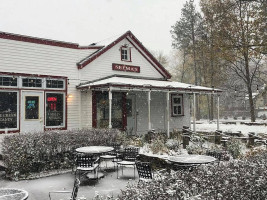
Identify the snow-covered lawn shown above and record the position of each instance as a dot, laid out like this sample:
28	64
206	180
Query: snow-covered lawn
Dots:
206	126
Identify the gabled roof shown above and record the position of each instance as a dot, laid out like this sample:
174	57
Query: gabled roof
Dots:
135	83
24	38
112	42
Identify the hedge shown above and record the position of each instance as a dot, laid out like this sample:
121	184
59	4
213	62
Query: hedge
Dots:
24	154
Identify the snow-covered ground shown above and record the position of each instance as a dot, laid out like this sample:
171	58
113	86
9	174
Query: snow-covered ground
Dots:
206	126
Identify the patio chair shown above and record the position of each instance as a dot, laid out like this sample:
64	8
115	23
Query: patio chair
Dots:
86	163
129	157
215	154
114	155
74	192
144	171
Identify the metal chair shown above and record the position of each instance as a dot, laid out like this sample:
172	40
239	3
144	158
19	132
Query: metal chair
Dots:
114	155
74	192
144	171
215	154
129	157
86	163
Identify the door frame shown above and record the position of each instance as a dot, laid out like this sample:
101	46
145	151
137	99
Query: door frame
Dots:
23	109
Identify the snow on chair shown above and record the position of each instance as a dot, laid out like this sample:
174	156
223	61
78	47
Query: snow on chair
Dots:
144	171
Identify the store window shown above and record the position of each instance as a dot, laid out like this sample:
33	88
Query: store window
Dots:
125	54
54	109
8	81
8	110
55	84
177	105
32	82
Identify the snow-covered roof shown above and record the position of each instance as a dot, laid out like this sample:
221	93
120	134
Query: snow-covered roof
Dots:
139	83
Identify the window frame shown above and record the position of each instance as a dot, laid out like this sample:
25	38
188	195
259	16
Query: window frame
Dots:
54	79
129	56
173	96
10	86
64	109
18	113
42	81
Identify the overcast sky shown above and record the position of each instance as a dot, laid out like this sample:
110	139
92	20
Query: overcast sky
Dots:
88	21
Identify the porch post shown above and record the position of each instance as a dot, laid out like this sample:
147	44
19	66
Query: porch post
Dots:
148	103
194	114
110	108
168	114
218	112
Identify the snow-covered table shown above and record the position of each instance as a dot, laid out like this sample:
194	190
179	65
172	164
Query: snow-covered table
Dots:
94	149
13	194
191	159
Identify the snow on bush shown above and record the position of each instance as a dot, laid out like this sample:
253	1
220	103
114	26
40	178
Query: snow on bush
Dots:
24	154
237	179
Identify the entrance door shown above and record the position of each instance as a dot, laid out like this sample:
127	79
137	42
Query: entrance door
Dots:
131	114
32	111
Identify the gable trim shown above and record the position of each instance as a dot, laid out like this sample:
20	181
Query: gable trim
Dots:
156	64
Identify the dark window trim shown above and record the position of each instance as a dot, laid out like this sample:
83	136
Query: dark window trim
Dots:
129	54
11	130
182	105
64	110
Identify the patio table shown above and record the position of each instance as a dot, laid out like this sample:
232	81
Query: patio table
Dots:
191	159
94	149
13	194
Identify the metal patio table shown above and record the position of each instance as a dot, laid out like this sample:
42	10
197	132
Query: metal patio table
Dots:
191	159
13	194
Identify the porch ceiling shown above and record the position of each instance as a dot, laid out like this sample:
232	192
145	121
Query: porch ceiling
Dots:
138	84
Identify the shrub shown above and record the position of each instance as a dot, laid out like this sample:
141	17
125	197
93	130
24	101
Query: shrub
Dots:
172	144
157	146
234	147
36	152
238	179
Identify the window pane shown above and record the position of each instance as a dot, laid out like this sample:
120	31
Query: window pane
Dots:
54	109
179	110
8	81
8	110
54	84
175	110
177	100
31	82
32	107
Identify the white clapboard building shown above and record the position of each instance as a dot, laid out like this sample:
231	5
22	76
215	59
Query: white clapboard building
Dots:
116	83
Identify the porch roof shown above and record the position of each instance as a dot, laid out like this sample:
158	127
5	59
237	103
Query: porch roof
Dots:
137	84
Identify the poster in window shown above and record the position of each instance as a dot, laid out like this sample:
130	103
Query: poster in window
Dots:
8	110
54	109
32	107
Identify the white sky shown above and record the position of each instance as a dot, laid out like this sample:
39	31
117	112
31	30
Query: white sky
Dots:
88	21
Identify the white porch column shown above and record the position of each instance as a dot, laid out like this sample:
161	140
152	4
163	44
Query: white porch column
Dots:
110	108
168	113
148	103
194	114
218	112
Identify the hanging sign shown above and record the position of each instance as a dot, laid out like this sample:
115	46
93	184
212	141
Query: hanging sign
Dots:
125	68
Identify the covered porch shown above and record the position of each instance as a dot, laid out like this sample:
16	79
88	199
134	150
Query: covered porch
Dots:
137	105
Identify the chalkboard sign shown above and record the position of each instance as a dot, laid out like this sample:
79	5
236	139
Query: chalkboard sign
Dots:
32	107
8	110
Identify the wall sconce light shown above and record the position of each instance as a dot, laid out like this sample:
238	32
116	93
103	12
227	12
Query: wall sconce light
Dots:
69	96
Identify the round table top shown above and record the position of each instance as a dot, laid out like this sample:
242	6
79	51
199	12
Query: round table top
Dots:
191	159
13	194
94	149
